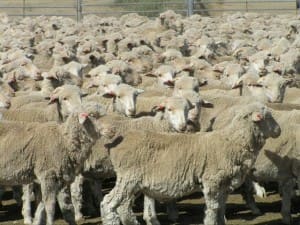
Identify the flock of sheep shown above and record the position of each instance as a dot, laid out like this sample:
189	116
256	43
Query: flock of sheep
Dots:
168	106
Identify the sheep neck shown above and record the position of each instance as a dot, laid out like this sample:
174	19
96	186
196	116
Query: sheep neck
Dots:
248	135
79	139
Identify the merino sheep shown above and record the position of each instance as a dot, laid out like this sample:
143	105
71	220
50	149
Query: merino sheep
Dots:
124	99
98	166
190	167
279	161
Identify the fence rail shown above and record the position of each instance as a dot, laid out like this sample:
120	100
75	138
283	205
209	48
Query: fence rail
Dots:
79	8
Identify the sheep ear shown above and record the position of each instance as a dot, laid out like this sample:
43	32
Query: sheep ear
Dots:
56	90
139	91
158	108
257	116
109	95
203	82
206	104
237	84
84	65
288	81
52	99
82	117
151	74
83	94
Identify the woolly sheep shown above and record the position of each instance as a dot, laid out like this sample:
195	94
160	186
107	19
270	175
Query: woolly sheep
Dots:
252	126
124	99
71	140
279	161
270	88
98	165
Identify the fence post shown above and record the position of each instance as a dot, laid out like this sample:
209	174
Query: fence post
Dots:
298	6
23	8
190	7
78	10
246	5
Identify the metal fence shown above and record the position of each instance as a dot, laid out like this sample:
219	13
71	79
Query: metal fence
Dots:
79	8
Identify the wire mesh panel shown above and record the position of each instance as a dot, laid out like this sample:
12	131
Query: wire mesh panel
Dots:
152	8
216	7
149	8
21	8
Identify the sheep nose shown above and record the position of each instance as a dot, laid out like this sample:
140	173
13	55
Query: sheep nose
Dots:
182	128
7	104
130	112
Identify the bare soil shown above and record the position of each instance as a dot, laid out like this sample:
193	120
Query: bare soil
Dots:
191	212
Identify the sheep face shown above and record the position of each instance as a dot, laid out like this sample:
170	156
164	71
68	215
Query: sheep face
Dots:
109	83
267	124
232	74
275	87
263	120
68	98
4	101
124	99
32	71
259	64
186	83
176	112
165	75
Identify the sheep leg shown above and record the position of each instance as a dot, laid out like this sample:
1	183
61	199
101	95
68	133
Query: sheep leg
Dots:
215	200
287	192
149	215
76	195
126	214
66	206
26	198
248	197
49	192
115	198
40	213
172	211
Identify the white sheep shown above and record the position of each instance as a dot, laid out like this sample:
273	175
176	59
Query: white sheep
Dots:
70	141
279	161
192	166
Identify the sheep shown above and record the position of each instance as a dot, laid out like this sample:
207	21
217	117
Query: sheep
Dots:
74	68
124	70
279	161
98	166
270	88
124	99
71	141
190	169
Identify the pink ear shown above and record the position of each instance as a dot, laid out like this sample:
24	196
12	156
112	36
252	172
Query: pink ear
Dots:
158	108
256	116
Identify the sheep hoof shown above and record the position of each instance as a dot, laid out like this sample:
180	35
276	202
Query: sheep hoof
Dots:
79	217
153	222
28	221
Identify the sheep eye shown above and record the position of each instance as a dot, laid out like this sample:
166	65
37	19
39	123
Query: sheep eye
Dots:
169	109
65	98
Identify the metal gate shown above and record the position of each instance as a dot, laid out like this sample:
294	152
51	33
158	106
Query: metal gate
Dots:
79	8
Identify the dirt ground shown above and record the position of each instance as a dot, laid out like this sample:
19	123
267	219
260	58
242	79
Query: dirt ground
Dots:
191	212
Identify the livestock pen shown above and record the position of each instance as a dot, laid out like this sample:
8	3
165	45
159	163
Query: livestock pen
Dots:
79	8
214	42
